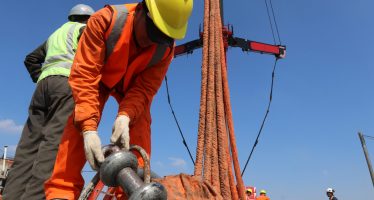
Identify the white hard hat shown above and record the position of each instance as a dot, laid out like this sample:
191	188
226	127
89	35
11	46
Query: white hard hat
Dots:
81	9
330	190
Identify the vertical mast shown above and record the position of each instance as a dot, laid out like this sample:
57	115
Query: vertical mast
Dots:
362	139
4	158
221	6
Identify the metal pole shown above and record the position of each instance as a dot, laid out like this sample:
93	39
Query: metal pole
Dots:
221	6
4	157
362	139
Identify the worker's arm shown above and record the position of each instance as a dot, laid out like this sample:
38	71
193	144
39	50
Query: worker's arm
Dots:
144	88
81	30
34	61
85	73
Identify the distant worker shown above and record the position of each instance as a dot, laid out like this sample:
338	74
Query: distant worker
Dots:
125	52
248	193
51	105
263	196
330	193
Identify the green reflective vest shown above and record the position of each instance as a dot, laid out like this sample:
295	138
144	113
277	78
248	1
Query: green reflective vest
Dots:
61	47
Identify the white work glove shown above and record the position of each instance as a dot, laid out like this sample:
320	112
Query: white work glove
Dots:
120	134
92	149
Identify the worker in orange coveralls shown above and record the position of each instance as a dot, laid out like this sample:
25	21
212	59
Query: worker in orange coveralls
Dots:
248	193
263	196
125	52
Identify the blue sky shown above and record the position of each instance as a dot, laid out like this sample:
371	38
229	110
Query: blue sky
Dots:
323	93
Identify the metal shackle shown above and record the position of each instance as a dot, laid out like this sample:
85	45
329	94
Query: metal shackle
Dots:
119	169
109	149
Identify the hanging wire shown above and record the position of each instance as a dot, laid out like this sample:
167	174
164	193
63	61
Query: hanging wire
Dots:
176	120
266	115
369	137
271	24
275	22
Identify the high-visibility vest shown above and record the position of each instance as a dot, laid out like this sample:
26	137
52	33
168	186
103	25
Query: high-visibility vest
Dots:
118	36
61	47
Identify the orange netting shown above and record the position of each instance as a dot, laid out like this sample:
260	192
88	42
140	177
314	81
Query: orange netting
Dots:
183	186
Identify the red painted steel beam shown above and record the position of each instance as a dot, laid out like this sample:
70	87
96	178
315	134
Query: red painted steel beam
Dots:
188	48
278	51
246	45
96	191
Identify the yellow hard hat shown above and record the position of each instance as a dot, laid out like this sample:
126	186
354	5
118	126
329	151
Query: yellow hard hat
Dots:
263	192
249	190
170	16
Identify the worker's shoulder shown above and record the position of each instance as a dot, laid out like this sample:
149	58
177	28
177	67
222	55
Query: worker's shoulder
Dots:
262	198
334	198
101	19
122	7
105	11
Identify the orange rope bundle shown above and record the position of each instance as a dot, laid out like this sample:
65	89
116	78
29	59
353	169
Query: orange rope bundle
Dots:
216	155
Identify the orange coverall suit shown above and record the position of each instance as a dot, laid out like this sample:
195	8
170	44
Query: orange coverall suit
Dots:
262	198
107	62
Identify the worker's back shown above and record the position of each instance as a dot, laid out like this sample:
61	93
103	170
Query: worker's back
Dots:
262	198
60	50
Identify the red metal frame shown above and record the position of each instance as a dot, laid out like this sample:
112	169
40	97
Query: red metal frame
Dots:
230	41
96	191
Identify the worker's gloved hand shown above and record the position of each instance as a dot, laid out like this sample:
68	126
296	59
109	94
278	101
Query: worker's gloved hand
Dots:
121	131
92	149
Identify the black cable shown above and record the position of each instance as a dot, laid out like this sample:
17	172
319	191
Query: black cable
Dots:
266	115
275	22
271	24
369	137
176	120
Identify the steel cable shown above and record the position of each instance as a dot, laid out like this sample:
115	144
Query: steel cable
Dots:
176	120
369	137
265	117
271	24
275	22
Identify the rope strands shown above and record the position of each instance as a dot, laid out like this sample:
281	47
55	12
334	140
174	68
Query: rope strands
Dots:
230	126
221	124
204	79
216	154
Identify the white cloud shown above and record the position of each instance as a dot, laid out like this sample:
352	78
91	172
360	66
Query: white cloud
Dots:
178	162
159	164
9	126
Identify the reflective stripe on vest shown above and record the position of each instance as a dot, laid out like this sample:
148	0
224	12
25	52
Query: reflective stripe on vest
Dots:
158	55
120	21
114	35
61	47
